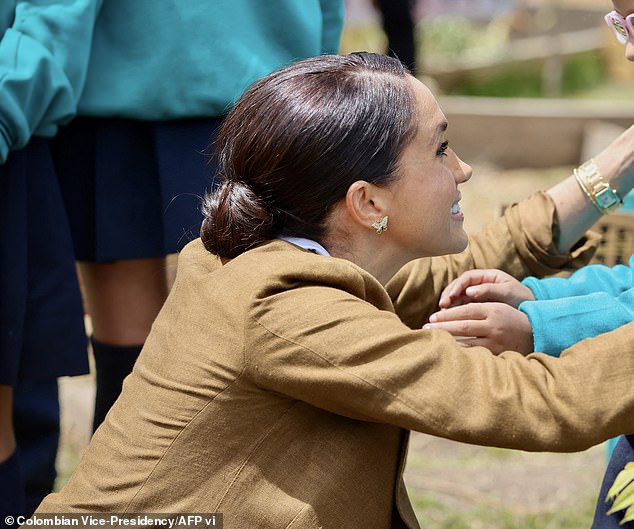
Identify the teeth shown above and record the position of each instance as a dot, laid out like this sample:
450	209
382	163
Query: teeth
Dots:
456	208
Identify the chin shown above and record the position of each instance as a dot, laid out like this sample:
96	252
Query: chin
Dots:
451	244
460	245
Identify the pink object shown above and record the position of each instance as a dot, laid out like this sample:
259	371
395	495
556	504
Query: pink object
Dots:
623	28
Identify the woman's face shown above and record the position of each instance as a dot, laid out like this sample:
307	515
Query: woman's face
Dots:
624	8
425	218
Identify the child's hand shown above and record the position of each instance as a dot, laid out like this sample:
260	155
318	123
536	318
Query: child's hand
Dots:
484	285
496	326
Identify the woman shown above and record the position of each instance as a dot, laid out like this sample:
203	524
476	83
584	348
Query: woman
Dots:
279	381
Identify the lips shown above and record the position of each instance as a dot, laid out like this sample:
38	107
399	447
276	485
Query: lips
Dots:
456	211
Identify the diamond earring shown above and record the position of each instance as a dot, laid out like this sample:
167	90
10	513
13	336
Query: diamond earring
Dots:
380	225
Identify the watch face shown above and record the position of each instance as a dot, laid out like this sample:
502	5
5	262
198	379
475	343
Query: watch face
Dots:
607	199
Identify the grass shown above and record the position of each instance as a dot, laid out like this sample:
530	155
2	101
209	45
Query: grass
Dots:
581	73
434	515
455	485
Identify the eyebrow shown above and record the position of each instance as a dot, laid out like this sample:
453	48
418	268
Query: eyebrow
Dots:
439	130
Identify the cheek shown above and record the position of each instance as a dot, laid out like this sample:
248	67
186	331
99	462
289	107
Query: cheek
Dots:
438	212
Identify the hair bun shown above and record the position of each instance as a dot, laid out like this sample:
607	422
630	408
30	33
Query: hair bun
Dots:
236	219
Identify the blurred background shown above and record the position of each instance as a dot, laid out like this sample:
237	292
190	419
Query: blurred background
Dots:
530	89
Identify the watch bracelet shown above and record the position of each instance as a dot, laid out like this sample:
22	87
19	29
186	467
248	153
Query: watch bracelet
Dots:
582	174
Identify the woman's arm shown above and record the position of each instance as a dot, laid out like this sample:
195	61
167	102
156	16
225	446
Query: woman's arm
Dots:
343	355
575	213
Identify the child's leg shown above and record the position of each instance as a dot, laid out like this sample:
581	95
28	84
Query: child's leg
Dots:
123	299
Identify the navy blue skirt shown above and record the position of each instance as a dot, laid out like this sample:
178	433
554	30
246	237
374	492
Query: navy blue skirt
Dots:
132	188
42	331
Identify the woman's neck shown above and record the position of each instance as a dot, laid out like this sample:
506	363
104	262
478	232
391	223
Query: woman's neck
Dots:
367	253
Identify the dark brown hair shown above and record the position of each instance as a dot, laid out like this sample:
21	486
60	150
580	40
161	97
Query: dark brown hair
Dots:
297	139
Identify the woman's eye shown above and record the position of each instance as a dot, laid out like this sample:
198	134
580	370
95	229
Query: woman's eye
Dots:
442	150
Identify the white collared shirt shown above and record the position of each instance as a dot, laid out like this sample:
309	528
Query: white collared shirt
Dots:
307	244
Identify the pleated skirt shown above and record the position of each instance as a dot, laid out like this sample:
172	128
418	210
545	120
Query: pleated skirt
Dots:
42	331
133	189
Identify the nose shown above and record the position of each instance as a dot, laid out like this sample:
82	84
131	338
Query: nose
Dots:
463	171
629	51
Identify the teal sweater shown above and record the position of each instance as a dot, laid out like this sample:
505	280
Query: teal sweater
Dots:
593	300
145	59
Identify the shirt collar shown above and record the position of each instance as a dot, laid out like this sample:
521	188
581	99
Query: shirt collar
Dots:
307	244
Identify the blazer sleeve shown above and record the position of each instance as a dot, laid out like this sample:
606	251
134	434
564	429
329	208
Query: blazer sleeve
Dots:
344	355
522	243
43	62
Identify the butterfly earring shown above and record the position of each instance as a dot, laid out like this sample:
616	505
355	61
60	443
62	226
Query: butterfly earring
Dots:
380	225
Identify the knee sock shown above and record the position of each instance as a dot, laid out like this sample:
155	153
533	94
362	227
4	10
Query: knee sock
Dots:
11	488
112	364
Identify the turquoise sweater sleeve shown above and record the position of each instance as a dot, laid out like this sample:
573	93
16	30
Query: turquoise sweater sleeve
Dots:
560	323
586	280
593	300
43	62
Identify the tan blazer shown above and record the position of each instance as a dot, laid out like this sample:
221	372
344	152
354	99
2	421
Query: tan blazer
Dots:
278	389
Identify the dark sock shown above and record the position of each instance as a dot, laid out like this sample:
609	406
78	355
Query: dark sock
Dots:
11	488
36	424
112	364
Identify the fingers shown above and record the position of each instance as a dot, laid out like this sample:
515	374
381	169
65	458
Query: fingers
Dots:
463	328
467	287
508	293
464	320
496	326
485	286
472	311
468	324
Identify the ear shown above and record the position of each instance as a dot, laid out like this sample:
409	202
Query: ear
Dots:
366	203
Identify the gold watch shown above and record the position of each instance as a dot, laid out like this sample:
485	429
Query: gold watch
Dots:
601	194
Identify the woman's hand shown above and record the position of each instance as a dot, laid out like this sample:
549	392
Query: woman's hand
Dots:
496	326
484	285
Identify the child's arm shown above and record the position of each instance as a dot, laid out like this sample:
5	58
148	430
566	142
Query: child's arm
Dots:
545	326
587	280
557	324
